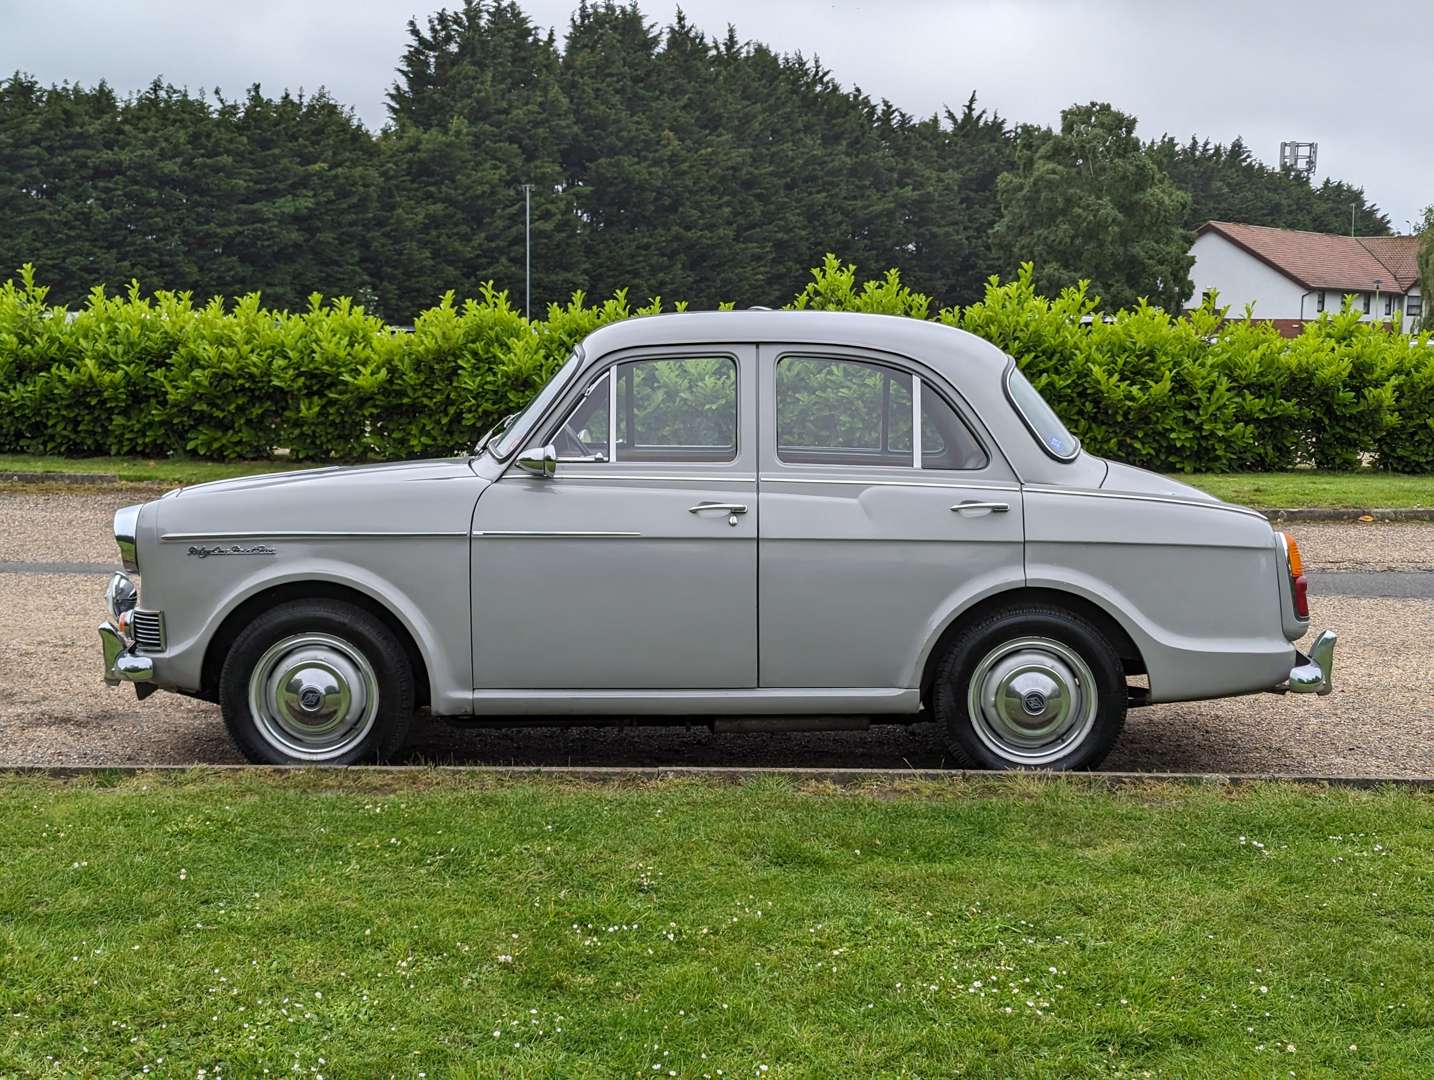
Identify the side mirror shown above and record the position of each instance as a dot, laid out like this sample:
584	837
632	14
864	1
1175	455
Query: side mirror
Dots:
542	462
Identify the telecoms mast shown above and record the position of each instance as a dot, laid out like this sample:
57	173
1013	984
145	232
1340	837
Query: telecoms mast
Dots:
1299	157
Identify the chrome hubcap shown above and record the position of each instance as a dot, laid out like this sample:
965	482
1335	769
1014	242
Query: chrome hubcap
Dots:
313	696
1031	700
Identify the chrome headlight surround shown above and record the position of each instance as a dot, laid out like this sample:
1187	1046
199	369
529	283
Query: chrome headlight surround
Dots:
126	531
120	595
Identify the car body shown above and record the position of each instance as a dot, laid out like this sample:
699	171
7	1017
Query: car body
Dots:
726	514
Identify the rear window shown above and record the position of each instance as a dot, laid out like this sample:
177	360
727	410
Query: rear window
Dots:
1039	417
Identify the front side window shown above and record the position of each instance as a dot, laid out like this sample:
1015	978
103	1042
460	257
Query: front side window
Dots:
668	410
586	433
850	412
1039	417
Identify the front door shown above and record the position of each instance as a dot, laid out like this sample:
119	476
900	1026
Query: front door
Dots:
635	565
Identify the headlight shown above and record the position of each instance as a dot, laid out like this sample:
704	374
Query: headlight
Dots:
126	529
120	596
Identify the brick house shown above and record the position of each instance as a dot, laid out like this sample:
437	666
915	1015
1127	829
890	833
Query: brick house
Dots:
1291	276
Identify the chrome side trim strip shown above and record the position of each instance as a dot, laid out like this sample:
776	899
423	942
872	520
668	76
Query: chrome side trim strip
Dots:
539	534
681	479
798	701
953	485
282	534
1128	496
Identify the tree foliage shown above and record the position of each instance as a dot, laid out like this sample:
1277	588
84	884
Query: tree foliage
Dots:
1228	183
661	159
1088	203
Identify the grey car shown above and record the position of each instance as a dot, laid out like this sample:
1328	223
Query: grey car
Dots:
762	519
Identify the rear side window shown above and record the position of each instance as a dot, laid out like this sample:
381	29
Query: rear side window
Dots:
1039	417
851	412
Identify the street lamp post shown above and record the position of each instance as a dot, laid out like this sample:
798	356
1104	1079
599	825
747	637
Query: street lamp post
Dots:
527	251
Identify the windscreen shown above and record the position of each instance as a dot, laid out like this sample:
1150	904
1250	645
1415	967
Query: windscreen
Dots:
508	441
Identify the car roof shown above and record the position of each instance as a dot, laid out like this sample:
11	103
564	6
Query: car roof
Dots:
955	353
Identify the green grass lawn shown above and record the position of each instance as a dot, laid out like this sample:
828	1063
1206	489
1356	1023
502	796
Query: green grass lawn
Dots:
366	924
143	470
1316	489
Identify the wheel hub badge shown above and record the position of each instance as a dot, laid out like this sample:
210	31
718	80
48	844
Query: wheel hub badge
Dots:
1034	703
310	698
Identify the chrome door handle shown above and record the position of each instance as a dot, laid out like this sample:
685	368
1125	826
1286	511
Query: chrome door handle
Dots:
993	507
730	509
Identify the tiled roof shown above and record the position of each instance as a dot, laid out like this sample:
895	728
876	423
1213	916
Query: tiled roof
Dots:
1328	260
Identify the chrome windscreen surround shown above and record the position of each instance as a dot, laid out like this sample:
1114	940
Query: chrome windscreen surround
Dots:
126	531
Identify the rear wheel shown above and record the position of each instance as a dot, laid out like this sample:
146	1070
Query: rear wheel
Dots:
317	682
1031	688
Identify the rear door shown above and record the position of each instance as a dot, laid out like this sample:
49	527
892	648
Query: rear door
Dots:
884	504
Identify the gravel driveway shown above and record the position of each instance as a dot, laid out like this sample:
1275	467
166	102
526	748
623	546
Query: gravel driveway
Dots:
1379	720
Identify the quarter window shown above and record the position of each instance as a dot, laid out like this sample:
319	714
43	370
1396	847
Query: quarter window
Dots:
849	412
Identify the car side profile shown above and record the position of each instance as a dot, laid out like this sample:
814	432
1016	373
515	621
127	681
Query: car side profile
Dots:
795	518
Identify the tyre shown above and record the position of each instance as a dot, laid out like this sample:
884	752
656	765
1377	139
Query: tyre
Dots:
317	682
1030	688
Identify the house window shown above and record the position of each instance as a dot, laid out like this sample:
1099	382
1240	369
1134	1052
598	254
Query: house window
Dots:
1414	306
1367	300
1319	301
1389	303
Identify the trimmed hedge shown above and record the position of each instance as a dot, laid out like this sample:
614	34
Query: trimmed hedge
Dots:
155	375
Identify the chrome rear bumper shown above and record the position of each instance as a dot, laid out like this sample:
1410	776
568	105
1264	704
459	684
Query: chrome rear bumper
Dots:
1314	674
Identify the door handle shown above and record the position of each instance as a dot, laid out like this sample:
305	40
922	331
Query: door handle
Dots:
992	507
730	509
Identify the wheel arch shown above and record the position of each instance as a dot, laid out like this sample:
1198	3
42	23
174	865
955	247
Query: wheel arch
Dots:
310	589
1129	653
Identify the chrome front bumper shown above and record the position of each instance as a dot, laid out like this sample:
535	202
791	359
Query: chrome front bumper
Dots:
1314	674
121	663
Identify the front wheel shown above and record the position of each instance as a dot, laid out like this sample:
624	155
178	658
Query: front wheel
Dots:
319	682
1033	688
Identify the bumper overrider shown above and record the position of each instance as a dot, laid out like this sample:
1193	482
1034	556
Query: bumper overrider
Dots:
1313	673
121	662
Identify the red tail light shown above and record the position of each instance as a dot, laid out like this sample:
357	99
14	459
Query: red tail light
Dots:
1297	576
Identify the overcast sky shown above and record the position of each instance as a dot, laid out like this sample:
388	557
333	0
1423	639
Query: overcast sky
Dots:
1351	77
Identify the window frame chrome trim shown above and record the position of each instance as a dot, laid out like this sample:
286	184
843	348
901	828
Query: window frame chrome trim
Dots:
588	477
954	485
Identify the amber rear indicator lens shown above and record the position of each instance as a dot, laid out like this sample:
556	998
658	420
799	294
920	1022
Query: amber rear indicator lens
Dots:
1299	585
1297	566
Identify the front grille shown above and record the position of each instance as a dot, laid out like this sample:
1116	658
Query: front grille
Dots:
148	631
